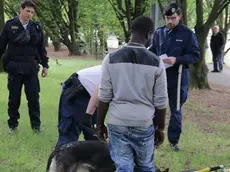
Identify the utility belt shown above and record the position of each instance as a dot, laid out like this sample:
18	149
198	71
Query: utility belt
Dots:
20	64
73	88
23	58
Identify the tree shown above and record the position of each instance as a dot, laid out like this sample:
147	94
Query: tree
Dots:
11	8
59	19
2	22
97	20
126	11
183	5
2	19
199	70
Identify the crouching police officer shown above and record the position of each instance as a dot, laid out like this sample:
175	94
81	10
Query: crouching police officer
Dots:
25	50
180	44
78	102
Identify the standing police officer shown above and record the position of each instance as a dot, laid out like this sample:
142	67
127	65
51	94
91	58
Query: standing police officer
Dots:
180	44
22	42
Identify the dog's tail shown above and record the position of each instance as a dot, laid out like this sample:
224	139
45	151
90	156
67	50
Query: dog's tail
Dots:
52	155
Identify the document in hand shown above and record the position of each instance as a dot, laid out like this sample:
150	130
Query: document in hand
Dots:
163	56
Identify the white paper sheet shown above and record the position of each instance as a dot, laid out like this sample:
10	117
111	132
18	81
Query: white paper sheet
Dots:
163	56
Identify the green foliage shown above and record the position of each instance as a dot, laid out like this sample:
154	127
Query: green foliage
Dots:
97	15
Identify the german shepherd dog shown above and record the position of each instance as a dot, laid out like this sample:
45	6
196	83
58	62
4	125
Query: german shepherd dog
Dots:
82	156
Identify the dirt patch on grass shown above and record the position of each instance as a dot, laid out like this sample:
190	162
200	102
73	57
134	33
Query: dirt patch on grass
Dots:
206	107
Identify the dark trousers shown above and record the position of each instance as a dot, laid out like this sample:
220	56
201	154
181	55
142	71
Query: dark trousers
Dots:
32	89
175	123
70	113
217	61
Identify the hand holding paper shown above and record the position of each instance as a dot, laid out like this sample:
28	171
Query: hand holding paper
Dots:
168	61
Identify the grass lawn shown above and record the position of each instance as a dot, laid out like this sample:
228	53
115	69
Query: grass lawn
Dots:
28	152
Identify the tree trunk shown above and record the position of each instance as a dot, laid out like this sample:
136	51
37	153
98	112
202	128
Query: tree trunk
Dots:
128	13
183	5
57	46
46	37
2	22
199	71
226	28
2	19
73	47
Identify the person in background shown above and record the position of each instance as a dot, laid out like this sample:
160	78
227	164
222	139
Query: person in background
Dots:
217	48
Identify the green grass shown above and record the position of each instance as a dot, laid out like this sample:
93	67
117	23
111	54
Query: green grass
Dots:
28	152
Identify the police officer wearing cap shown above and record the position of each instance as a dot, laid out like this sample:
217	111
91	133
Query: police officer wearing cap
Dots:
22	43
180	45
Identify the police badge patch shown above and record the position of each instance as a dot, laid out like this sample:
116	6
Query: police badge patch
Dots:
14	27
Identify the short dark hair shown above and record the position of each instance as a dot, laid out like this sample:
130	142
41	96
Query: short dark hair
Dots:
142	25
171	9
28	3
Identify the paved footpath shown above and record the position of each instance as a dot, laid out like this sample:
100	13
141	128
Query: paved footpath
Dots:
222	78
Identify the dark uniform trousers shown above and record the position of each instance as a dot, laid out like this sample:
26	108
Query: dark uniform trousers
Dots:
70	114
32	89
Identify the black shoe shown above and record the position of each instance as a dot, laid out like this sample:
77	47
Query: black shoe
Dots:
36	130
175	147
214	71
12	130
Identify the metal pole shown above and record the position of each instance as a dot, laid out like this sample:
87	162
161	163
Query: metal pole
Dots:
179	87
157	11
152	12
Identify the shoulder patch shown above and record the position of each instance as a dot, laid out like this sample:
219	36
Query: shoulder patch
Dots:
14	27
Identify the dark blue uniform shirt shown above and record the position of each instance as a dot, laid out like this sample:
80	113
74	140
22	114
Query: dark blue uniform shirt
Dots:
34	48
181	43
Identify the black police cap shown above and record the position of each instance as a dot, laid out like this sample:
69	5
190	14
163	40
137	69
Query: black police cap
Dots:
171	9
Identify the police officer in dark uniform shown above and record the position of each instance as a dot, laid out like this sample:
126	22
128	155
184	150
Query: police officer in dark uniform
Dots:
77	106
180	45
22	43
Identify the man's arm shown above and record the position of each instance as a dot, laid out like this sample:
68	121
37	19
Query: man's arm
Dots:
105	92
105	97
191	53
160	97
222	41
102	111
93	103
160	100
43	54
3	40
